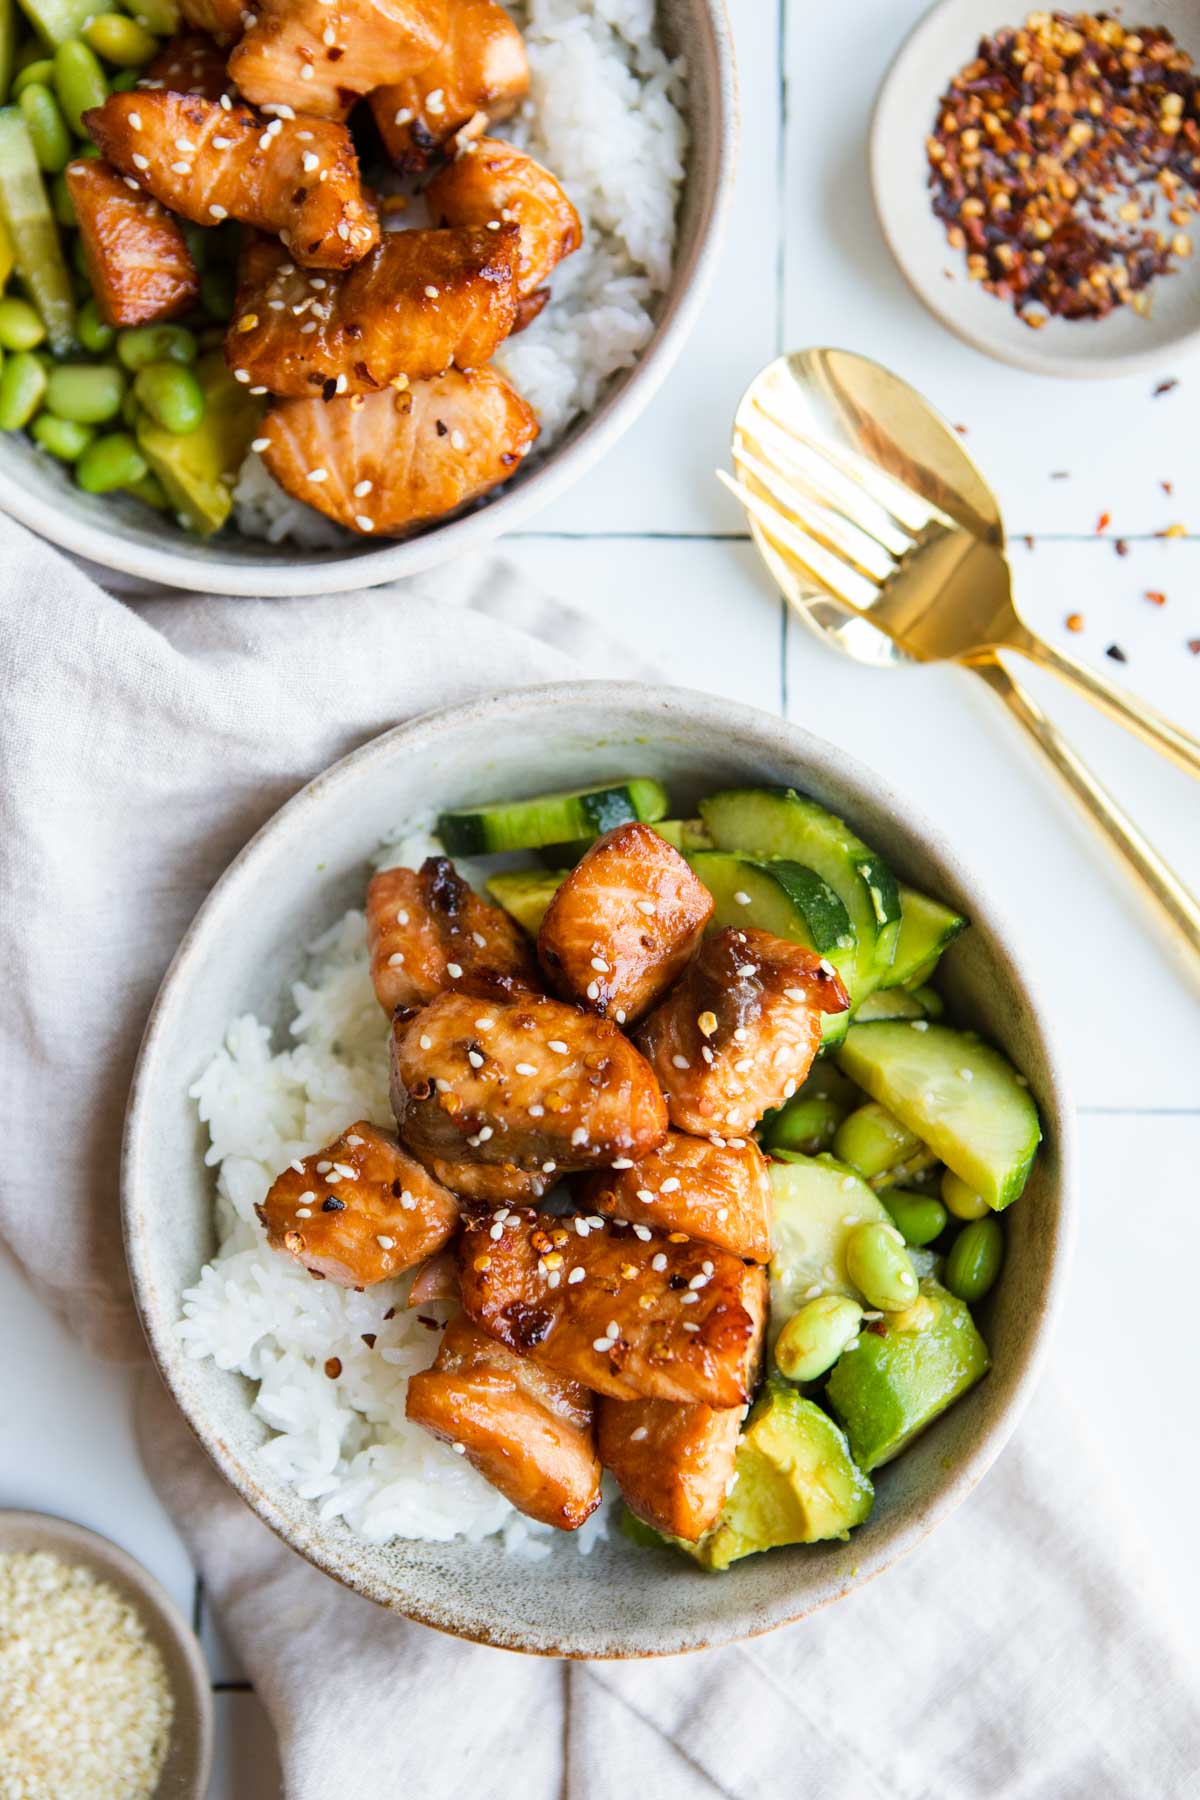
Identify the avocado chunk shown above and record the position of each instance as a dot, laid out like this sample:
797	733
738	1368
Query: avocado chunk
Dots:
197	470
795	1482
525	894
886	1389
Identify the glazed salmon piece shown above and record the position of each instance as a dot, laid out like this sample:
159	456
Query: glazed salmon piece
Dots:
478	68
359	1211
319	59
139	264
189	64
417	302
528	1431
394	461
673	1464
209	162
493	1184
525	1081
221	19
625	1310
716	1192
494	181
624	923
738	1034
427	930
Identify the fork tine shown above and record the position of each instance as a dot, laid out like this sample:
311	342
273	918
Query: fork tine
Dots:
907	508
822	570
803	461
864	554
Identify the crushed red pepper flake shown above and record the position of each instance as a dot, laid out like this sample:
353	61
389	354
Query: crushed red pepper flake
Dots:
1155	598
1165	387
1074	621
1103	522
1168	487
1116	652
1121	546
1193	645
1049	152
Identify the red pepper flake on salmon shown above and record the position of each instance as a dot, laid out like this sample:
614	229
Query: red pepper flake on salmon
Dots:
209	162
137	258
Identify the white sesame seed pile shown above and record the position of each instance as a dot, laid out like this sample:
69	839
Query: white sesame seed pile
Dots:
85	1705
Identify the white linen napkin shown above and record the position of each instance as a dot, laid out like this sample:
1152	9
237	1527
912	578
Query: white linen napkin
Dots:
1023	1653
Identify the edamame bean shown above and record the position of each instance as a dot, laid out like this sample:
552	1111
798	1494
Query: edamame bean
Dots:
879	1266
40	70
872	1140
92	331
64	206
112	461
171	395
151	491
79	80
124	81
814	1338
807	1123
975	1258
961	1200
22	388
21	327
919	1218
46	126
61	437
159	16
143	344
120	40
87	393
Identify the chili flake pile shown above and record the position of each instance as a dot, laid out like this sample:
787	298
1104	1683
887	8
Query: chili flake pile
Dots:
1055	153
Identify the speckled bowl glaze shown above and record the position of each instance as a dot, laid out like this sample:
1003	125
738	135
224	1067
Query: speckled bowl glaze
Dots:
300	873
118	533
188	1763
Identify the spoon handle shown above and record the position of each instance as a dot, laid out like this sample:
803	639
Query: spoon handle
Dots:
1125	708
1180	906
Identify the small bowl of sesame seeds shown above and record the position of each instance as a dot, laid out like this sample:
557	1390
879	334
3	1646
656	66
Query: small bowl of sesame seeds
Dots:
104	1694
1037	178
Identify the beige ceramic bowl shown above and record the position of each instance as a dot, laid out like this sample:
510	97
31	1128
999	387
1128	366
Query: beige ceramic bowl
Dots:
189	1756
119	533
310	864
1122	344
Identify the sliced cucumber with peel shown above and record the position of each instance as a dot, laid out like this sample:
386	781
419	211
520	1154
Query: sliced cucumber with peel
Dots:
684	834
958	1095
926	927
900	1003
816	1204
525	894
551	818
32	230
769	822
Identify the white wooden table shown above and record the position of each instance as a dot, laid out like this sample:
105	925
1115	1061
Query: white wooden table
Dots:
652	546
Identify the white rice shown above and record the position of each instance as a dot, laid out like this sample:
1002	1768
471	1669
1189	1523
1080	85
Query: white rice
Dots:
604	114
342	1440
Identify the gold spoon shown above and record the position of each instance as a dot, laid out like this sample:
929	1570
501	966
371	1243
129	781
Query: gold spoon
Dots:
837	498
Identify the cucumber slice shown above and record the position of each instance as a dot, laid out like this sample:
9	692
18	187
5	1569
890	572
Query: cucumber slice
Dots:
926	927
57	20
32	229
817	1202
525	894
961	1098
770	822
551	818
899	1003
8	50
684	834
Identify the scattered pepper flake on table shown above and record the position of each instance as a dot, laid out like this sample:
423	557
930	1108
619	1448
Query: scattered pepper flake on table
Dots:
1103	522
1116	652
1165	387
1155	597
1050	152
1074	621
1121	546
1193	645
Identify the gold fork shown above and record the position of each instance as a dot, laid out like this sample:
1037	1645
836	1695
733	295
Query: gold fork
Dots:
838	499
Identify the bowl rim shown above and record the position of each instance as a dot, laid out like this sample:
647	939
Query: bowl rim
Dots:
418	737
44	512
25	1529
1103	365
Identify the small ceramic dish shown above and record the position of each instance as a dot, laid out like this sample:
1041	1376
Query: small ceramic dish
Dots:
302	871
119	533
189	1759
1124	343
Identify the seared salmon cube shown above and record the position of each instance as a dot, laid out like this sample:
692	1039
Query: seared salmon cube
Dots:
417	302
627	1311
223	19
673	1464
190	64
395	461
359	1211
624	923
492	1183
479	69
527	1430
208	162
427	930
490	183
718	1192
319	58
525	1081
138	262
738	1034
